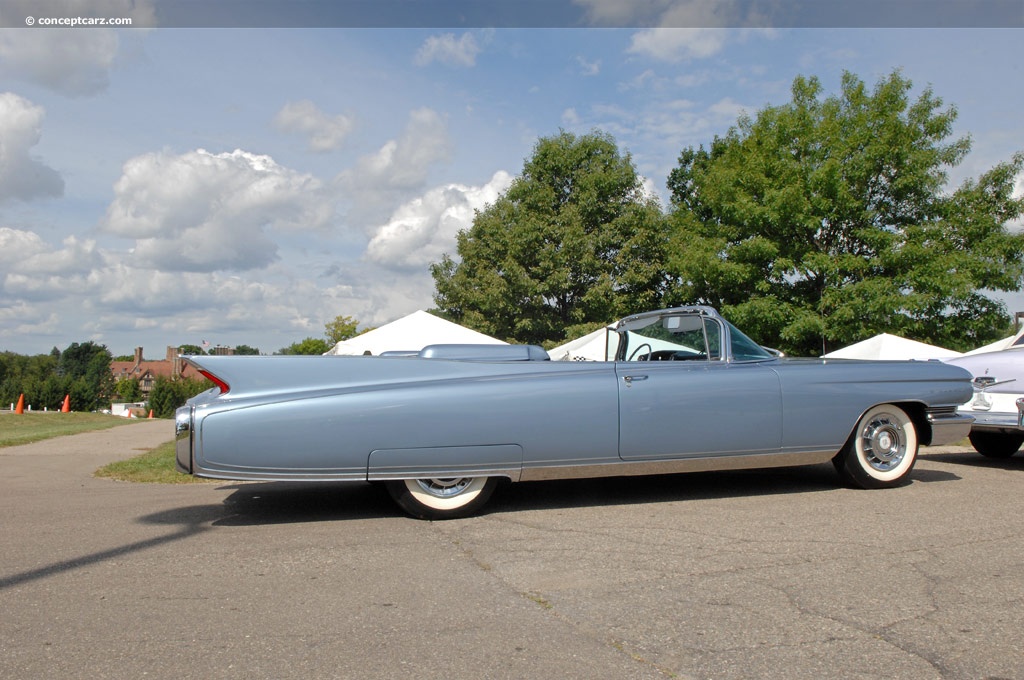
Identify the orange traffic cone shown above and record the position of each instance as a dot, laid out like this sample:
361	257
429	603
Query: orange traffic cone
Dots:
20	408
66	406
150	413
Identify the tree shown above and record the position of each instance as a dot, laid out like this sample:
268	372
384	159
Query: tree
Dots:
128	389
167	395
341	328
191	350
242	350
824	221
307	346
87	367
574	242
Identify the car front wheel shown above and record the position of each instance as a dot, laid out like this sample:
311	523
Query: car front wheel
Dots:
442	498
996	444
882	450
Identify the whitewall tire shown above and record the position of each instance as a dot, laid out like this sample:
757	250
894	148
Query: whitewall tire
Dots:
442	498
882	450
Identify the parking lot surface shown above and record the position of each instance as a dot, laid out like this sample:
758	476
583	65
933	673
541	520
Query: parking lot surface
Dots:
754	574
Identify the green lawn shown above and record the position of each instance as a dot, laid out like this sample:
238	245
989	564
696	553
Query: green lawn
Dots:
28	427
155	466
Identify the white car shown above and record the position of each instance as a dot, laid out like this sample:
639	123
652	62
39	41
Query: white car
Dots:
998	402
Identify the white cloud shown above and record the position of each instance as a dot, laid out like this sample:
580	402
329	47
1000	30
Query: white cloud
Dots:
325	132
201	211
397	171
405	162
447	49
589	68
71	61
619	13
678	44
422	230
17	245
22	176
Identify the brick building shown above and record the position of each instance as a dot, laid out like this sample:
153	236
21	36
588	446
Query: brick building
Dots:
146	372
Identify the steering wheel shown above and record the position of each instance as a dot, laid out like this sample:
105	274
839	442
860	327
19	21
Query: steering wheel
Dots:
637	350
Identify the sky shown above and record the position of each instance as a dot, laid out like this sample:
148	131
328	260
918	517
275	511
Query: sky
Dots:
246	177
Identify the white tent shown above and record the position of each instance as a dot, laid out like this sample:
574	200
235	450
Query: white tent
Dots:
411	333
1005	343
595	346
886	346
591	347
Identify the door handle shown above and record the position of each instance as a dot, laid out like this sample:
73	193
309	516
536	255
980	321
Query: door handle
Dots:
630	379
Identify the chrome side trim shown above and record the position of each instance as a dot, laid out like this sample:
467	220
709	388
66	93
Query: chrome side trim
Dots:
281	476
664	467
512	474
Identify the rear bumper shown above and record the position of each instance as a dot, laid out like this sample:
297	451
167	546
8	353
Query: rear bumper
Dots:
1006	414
183	420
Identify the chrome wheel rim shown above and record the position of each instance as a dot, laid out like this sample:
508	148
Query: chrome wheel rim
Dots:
883	442
444	488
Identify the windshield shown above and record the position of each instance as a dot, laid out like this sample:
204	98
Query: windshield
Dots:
684	337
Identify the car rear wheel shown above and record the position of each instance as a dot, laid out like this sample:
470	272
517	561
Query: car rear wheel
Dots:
442	498
996	444
882	450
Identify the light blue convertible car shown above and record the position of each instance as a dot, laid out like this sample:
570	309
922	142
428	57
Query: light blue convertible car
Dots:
682	390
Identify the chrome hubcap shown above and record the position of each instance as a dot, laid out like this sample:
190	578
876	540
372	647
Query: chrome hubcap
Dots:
883	443
444	488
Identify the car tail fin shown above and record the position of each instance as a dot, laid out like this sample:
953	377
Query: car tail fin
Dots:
224	387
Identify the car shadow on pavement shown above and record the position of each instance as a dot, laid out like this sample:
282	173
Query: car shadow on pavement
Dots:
671	488
256	503
1014	463
269	503
190	521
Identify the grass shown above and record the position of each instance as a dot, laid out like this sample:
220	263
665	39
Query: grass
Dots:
153	467
28	427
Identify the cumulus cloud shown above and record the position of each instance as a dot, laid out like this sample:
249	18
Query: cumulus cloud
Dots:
22	176
422	230
34	270
405	162
588	68
201	211
677	30
676	44
324	132
449	50
72	61
17	245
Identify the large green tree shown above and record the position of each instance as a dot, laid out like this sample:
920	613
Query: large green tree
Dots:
573	243
87	366
306	346
828	219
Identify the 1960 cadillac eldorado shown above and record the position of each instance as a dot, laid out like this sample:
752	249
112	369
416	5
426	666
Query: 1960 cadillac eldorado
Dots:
682	390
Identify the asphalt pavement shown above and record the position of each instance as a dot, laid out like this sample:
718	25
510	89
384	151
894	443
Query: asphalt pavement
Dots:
753	574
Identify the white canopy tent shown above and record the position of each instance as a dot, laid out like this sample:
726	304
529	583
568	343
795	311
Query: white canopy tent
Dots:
595	346
411	333
1005	343
891	347
591	347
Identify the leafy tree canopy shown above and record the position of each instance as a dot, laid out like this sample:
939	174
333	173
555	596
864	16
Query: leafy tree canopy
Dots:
191	350
826	220
341	328
574	242
307	346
